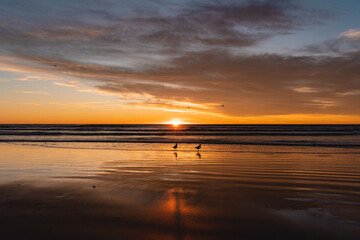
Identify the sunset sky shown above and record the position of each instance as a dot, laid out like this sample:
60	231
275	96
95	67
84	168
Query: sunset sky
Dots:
197	61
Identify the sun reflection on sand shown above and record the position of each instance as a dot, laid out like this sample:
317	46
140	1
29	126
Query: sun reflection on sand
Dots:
180	214
175	203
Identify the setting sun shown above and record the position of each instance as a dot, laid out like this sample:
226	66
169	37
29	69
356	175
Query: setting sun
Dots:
175	122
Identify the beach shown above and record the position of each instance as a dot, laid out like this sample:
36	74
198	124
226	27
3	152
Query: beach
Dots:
107	190
179	120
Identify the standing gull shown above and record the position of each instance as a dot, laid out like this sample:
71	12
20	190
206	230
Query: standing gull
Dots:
198	147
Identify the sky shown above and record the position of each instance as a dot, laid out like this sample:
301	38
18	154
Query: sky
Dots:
193	61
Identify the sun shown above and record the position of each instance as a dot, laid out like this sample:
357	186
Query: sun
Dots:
175	122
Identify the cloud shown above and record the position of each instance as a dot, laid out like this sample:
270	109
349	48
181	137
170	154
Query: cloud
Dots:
58	104
345	42
349	93
31	92
65	33
185	54
324	103
67	84
33	78
220	78
304	90
143	34
245	84
351	35
31	103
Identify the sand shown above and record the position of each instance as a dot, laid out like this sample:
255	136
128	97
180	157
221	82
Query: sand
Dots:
102	192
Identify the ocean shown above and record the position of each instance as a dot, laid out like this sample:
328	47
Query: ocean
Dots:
127	181
282	135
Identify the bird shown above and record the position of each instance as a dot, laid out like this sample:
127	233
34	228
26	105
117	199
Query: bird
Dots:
175	146
55	65
198	147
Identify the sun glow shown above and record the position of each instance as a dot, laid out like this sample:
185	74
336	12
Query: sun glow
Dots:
175	122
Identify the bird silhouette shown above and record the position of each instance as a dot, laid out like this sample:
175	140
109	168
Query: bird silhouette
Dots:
198	147
175	146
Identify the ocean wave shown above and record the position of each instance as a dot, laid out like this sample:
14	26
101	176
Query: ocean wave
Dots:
346	136
189	141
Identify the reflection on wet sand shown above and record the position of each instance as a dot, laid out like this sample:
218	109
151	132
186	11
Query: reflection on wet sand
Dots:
77	212
152	195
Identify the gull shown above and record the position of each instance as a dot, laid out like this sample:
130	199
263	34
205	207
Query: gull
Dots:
198	147
175	146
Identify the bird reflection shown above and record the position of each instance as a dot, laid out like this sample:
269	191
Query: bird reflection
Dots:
175	154
199	155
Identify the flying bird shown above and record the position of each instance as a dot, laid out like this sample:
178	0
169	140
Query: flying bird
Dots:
175	146
198	147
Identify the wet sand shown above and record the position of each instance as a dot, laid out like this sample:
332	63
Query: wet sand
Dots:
137	191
